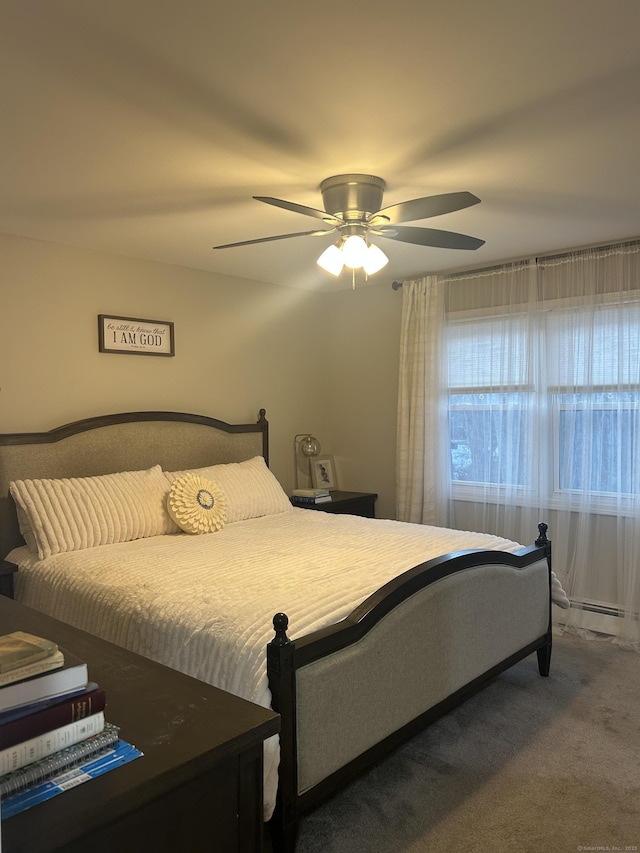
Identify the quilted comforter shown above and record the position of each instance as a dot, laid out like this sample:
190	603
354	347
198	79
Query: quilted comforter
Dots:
204	604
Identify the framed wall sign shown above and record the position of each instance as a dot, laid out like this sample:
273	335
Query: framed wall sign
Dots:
134	336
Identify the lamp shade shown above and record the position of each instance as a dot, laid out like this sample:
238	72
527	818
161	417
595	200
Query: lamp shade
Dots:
331	260
309	446
375	260
354	251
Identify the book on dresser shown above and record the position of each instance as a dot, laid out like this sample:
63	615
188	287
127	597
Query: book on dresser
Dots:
71	675
89	767
19	673
19	648
29	721
69	767
53	731
43	745
71	756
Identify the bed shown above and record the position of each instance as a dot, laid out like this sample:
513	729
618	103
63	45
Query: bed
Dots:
372	628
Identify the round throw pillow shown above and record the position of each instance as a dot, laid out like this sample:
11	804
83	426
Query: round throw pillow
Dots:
196	505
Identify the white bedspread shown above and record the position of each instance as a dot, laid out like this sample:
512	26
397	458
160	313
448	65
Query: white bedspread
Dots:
178	598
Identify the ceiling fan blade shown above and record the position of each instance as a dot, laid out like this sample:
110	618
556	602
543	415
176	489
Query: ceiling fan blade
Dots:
423	208
299	208
429	237
278	237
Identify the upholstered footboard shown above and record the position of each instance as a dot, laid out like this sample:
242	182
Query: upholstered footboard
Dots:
350	693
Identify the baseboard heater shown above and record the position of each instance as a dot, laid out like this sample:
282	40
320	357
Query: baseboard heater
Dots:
598	607
600	616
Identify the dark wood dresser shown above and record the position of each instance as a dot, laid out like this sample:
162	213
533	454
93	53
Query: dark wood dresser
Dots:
198	785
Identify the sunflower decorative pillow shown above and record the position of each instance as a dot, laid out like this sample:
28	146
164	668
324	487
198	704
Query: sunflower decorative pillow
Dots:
196	505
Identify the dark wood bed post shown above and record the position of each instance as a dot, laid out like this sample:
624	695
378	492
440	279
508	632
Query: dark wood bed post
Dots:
280	669
544	652
263	423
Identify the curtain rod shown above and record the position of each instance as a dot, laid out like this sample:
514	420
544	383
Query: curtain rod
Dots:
396	285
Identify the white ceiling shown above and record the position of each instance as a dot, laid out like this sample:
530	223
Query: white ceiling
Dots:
144	127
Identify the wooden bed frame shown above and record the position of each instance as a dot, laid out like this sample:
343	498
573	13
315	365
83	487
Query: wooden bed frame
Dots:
399	623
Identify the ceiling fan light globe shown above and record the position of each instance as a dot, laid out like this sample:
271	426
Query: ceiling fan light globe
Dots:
331	260
354	251
375	260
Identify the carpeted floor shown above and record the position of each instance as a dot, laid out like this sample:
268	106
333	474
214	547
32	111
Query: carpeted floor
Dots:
529	764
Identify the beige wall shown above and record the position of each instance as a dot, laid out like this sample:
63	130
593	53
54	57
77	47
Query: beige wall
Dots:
364	359
326	363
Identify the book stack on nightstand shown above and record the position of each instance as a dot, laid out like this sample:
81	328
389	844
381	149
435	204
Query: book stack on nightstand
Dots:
53	733
303	497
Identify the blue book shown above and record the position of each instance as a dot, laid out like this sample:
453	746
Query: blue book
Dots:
121	753
52	765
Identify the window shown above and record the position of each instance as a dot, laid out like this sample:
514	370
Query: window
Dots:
560	387
597	440
490	400
488	438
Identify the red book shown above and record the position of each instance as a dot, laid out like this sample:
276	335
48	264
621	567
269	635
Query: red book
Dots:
54	716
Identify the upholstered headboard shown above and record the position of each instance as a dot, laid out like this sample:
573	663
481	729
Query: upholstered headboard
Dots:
128	441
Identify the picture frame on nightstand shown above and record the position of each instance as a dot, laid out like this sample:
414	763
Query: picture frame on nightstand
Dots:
323	473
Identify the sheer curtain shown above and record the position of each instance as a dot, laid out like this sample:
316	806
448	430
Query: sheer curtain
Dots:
592	326
421	479
519	402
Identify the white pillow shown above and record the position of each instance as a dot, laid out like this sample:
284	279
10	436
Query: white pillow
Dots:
83	512
25	528
250	488
196	505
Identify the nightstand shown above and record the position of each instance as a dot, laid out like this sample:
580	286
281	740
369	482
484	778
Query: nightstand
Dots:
347	503
7	571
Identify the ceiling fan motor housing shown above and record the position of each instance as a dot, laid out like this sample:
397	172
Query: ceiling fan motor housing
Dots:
352	197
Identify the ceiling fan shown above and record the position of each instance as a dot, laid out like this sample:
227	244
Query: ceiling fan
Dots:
353	209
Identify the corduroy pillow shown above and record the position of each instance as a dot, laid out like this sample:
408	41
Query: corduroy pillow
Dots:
83	512
250	488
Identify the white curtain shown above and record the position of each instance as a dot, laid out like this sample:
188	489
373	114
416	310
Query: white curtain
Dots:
420	480
529	411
